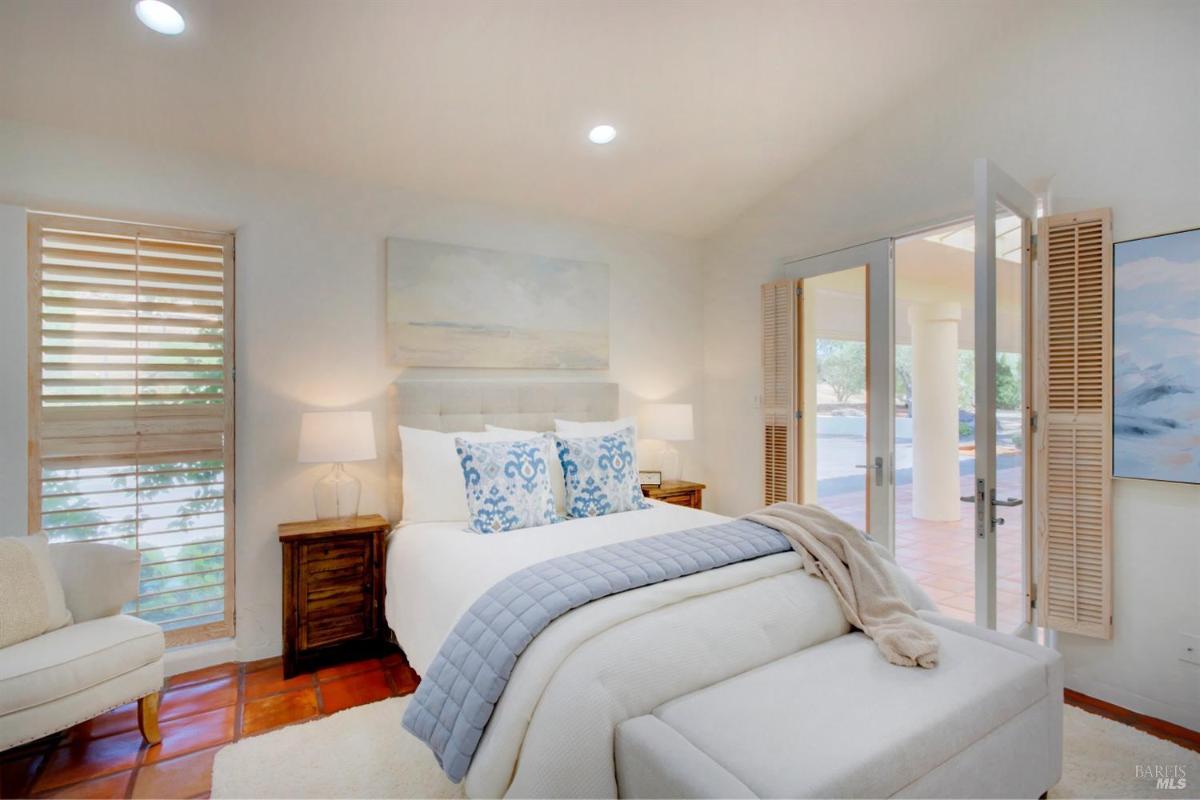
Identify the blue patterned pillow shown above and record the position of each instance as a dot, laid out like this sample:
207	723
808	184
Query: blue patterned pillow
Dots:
508	484
601	474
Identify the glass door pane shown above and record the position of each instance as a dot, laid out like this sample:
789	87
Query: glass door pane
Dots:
1004	213
845	384
835	467
1011	406
934	411
948	321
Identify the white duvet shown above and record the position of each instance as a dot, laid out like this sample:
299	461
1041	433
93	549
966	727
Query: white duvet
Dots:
436	570
551	733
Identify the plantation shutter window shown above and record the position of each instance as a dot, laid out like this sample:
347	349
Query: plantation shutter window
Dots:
131	407
1072	399
779	360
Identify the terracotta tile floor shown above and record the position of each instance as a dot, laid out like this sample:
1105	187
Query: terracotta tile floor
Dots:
941	555
200	712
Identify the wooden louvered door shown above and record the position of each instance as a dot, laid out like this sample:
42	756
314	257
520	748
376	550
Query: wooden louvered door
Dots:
780	320
131	409
1074	436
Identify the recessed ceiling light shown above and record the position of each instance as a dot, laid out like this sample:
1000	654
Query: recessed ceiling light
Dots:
158	16
602	134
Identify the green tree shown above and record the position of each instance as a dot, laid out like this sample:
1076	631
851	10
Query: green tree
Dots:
843	366
1008	380
174	511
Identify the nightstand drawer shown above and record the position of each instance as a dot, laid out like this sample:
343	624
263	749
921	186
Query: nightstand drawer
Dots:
335	554
689	499
326	600
677	493
340	575
331	630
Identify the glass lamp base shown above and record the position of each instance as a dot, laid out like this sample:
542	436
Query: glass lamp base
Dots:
672	467
336	494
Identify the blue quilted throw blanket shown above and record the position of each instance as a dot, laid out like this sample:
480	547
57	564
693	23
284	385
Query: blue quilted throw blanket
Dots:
460	689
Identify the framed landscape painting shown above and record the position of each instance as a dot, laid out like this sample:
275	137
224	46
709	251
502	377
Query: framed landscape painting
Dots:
454	306
1156	358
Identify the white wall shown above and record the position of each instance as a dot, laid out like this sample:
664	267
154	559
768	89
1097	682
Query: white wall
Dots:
310	311
1104	98
14	362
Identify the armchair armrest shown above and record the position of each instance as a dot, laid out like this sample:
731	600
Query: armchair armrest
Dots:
97	579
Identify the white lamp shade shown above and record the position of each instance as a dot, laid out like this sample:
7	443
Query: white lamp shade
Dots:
336	436
670	422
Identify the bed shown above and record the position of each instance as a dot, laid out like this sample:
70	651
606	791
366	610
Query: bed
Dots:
553	731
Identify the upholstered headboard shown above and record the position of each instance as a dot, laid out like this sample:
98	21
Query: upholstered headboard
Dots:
469	405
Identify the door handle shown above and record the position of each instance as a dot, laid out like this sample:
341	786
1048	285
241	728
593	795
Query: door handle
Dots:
877	465
979	515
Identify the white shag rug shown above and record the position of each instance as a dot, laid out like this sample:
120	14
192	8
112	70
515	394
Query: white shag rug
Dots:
1101	759
363	752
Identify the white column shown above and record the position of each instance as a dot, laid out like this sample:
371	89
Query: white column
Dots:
935	483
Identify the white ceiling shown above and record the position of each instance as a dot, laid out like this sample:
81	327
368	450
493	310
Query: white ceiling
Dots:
717	103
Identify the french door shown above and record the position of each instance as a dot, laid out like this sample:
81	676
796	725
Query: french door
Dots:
1005	213
844	381
949	421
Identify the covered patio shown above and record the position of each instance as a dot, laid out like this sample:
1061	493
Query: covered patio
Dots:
941	555
934	409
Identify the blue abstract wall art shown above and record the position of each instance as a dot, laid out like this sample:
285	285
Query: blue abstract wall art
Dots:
1156	358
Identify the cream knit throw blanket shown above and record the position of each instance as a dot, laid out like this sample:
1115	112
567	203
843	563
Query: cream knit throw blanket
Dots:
838	552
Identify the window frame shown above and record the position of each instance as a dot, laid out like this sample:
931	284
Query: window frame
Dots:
36	223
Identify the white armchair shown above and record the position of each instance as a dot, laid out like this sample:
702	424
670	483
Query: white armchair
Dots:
102	660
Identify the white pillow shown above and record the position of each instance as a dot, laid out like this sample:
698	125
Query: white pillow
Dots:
516	434
557	483
575	430
31	598
433	486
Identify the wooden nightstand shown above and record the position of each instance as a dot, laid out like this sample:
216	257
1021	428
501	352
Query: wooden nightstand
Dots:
680	493
332	591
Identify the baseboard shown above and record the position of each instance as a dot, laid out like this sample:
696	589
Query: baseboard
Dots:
1184	737
1132	701
199	656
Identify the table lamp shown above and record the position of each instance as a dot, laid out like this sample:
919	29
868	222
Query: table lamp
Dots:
668	422
335	437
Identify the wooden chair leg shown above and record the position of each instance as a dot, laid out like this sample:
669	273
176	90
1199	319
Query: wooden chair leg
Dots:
148	718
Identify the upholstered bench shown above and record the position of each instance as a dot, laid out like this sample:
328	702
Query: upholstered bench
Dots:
836	720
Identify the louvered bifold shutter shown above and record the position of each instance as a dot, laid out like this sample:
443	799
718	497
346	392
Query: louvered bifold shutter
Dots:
1074	430
780	427
131	407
